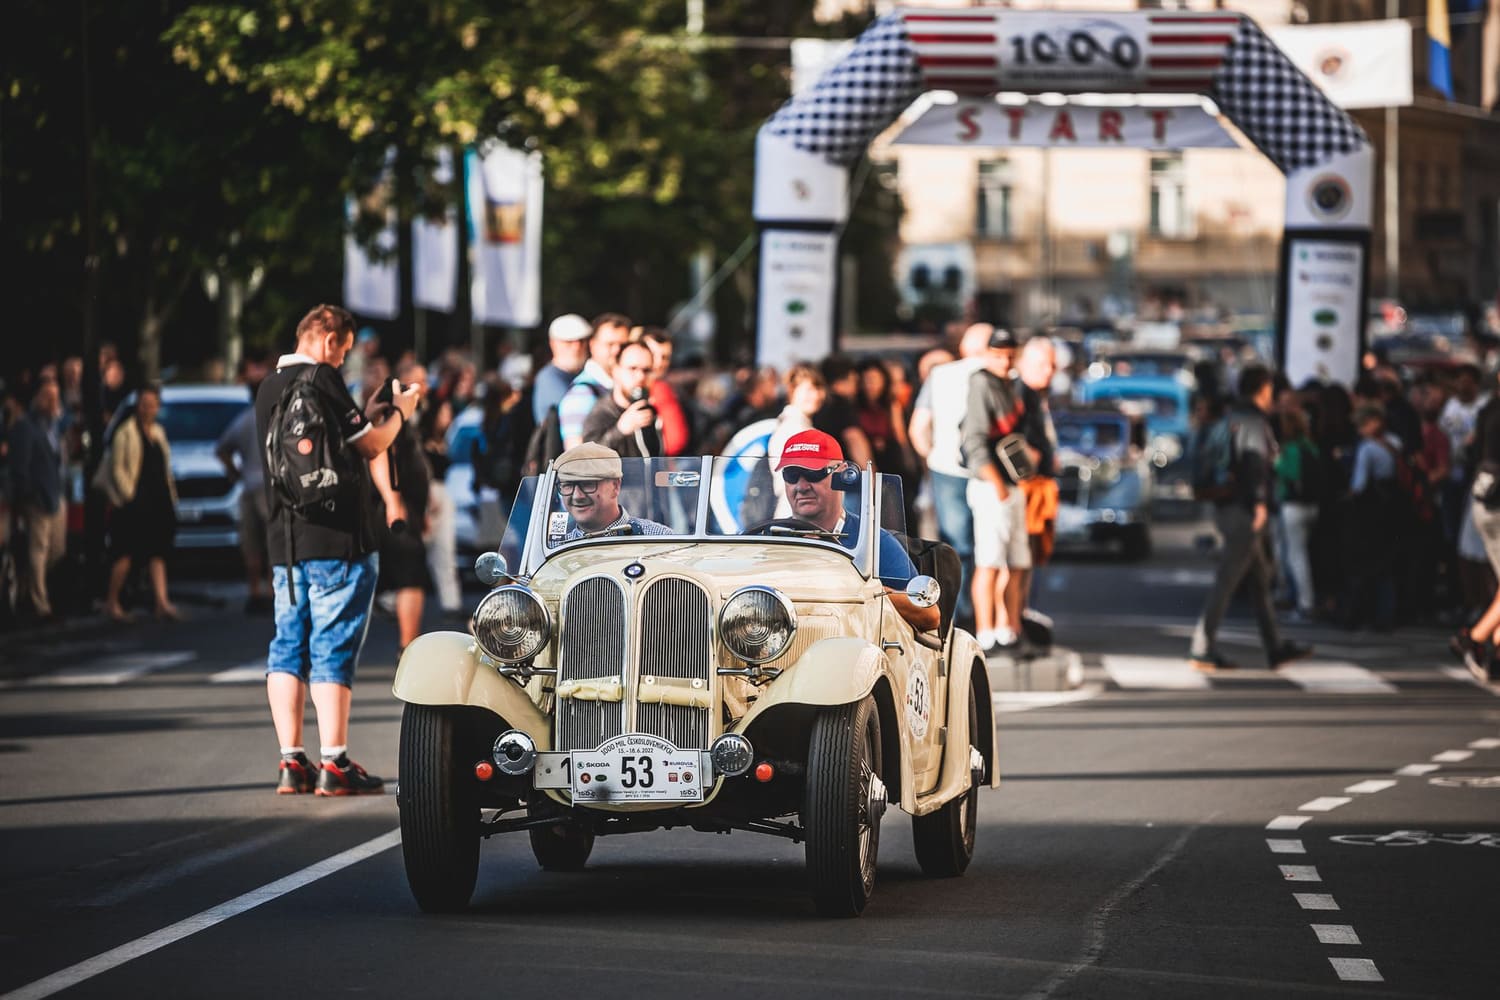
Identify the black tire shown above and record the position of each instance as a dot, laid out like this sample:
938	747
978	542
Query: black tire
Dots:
439	811
564	847
1136	545
945	839
842	843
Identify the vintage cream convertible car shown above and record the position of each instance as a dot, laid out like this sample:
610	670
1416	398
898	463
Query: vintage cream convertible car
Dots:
696	662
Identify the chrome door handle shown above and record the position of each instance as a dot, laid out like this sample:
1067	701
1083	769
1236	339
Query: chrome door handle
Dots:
890	644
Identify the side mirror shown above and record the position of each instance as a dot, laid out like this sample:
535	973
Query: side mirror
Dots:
490	568
846	480
923	591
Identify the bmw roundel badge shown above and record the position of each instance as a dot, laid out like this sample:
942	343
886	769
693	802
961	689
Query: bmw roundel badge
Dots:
635	571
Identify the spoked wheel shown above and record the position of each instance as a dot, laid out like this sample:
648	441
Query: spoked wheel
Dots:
945	839
845	800
439	811
564	847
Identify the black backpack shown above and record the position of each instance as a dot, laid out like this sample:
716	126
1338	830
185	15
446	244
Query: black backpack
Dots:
314	473
546	441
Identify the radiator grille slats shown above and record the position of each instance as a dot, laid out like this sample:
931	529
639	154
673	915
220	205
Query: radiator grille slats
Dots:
676	633
592	645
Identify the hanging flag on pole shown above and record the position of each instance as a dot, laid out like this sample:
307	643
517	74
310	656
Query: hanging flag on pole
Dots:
434	245
505	230
1439	45
371	284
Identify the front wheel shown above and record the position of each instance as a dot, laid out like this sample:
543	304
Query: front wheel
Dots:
439	811
845	799
945	839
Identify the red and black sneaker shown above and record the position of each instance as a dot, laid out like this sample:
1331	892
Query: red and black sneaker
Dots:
298	775
344	777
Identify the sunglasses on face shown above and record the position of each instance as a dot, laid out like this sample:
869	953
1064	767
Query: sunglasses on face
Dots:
794	474
587	489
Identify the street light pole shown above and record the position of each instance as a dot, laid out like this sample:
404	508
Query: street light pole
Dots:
1391	183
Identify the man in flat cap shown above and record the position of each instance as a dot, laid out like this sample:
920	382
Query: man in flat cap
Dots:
588	479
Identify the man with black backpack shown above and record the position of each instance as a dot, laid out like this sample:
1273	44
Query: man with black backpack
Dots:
322	537
1236	471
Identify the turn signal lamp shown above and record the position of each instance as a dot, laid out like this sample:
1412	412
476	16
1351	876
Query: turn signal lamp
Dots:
484	770
764	772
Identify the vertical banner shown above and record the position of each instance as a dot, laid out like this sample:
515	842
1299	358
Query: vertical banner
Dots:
434	244
797	284
371	283
505	228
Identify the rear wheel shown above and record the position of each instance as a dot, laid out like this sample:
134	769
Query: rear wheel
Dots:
945	839
563	847
845	799
439	811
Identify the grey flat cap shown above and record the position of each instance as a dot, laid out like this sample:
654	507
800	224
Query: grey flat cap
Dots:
587	462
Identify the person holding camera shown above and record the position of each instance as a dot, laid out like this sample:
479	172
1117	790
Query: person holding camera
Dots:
625	420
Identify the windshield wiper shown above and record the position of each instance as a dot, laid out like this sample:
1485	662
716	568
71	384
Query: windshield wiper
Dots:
781	529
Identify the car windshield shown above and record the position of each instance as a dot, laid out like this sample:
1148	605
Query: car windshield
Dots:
198	420
611	497
1146	402
1148	364
1089	436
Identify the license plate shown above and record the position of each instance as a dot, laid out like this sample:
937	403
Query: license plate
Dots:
636	767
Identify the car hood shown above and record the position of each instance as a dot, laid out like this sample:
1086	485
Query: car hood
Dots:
195	460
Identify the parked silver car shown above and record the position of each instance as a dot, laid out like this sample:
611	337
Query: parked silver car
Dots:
208	507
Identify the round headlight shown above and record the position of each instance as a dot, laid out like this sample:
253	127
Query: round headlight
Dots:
512	624
757	623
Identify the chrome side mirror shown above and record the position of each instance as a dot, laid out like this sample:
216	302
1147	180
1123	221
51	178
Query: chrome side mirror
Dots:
490	568
923	591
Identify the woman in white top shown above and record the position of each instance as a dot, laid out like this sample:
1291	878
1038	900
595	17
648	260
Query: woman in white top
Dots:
805	392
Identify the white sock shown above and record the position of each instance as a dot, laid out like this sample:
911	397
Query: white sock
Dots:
332	753
986	638
1005	636
292	751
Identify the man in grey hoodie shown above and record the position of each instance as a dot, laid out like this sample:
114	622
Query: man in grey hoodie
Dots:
1242	519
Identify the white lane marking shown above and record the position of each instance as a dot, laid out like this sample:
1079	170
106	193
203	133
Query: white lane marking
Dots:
1300	873
1025	701
1416	770
113	669
1287	822
1324	804
1357	970
1335	677
115	957
245	673
1453	756
1370	787
1285	846
1172	673
1460	674
1315	901
1488	743
1335	934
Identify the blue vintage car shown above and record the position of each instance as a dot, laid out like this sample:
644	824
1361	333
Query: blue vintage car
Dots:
1166	402
1105	478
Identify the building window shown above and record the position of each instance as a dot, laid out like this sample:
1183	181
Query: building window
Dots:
995	198
1170	218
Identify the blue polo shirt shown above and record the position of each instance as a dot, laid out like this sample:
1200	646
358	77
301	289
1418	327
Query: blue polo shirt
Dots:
892	564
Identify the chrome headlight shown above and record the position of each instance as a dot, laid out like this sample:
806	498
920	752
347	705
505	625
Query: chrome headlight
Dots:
512	624
757	623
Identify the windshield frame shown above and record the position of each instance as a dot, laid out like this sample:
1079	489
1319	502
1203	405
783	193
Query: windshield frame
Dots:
535	552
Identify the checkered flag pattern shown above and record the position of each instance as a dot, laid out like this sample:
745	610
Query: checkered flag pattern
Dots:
857	98
1280	110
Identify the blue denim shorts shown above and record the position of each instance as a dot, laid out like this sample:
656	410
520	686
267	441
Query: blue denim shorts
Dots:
319	637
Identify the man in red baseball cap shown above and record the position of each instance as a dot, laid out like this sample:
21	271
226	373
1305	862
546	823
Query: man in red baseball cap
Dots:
807	463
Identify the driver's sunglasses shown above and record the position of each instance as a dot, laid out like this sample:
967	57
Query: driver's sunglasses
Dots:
793	474
587	489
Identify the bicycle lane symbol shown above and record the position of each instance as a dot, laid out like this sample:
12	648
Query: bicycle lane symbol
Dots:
1417	838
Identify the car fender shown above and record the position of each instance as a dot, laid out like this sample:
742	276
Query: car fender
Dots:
835	671
969	667
445	668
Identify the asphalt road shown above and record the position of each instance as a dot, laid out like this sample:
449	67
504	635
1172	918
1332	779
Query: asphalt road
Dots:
1157	834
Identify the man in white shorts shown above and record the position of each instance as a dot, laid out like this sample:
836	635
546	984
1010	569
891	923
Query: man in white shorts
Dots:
996	409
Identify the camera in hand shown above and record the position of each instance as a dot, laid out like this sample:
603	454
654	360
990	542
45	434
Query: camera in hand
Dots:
639	393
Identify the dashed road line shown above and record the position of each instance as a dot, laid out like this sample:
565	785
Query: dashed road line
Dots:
1336	677
1300	873
1417	770
1452	756
1357	970
1488	743
1287	822
1335	934
1370	787
1161	673
245	673
1286	846
1315	901
1324	804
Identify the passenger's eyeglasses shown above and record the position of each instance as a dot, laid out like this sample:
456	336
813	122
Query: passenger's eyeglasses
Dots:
587	489
795	474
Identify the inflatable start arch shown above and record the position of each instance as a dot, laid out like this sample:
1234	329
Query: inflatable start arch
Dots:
804	150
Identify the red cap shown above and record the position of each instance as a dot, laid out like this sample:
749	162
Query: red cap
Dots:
811	449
